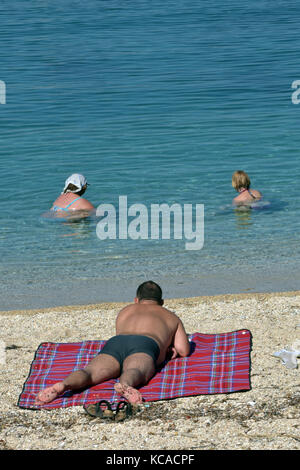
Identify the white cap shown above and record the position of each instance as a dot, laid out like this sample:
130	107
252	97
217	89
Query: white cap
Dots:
77	180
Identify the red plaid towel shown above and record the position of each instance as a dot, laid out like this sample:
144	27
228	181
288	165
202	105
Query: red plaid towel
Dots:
218	363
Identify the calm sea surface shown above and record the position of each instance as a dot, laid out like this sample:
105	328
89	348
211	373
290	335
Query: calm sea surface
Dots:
161	102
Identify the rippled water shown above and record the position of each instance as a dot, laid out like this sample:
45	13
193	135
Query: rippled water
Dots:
161	102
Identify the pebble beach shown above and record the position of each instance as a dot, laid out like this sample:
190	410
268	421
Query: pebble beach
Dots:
264	418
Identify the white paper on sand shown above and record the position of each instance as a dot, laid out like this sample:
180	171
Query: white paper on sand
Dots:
289	355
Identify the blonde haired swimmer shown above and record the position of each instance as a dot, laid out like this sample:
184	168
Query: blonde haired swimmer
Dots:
241	183
70	199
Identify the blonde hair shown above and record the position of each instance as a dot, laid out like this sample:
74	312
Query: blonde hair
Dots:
240	179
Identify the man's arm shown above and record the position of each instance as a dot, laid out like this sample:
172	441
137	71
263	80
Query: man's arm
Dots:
181	343
121	319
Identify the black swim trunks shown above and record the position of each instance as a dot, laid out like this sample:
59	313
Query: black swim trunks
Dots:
122	346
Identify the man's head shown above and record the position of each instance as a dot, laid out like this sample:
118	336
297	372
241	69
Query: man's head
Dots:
149	290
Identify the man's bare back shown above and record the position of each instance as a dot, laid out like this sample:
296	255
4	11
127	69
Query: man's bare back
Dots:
147	318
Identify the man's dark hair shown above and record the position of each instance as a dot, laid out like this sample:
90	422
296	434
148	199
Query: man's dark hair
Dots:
149	290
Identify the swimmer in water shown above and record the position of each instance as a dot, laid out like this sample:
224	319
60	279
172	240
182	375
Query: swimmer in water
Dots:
70	199
241	183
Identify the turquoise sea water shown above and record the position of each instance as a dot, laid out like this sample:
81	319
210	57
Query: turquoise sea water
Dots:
161	102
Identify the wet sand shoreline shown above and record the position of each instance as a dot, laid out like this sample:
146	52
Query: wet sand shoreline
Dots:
266	417
186	300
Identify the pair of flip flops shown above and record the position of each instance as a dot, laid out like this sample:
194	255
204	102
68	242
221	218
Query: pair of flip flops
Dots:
103	410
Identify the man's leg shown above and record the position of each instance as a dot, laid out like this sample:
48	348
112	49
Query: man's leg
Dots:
101	368
138	369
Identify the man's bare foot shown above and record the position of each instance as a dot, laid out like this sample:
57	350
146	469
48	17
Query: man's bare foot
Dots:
49	394
131	394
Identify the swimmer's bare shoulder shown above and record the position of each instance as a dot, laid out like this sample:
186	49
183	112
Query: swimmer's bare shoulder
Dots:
257	194
83	204
246	198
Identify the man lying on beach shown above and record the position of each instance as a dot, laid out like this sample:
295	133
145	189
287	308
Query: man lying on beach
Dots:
146	334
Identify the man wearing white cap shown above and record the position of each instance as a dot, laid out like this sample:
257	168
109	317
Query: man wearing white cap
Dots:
70	199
